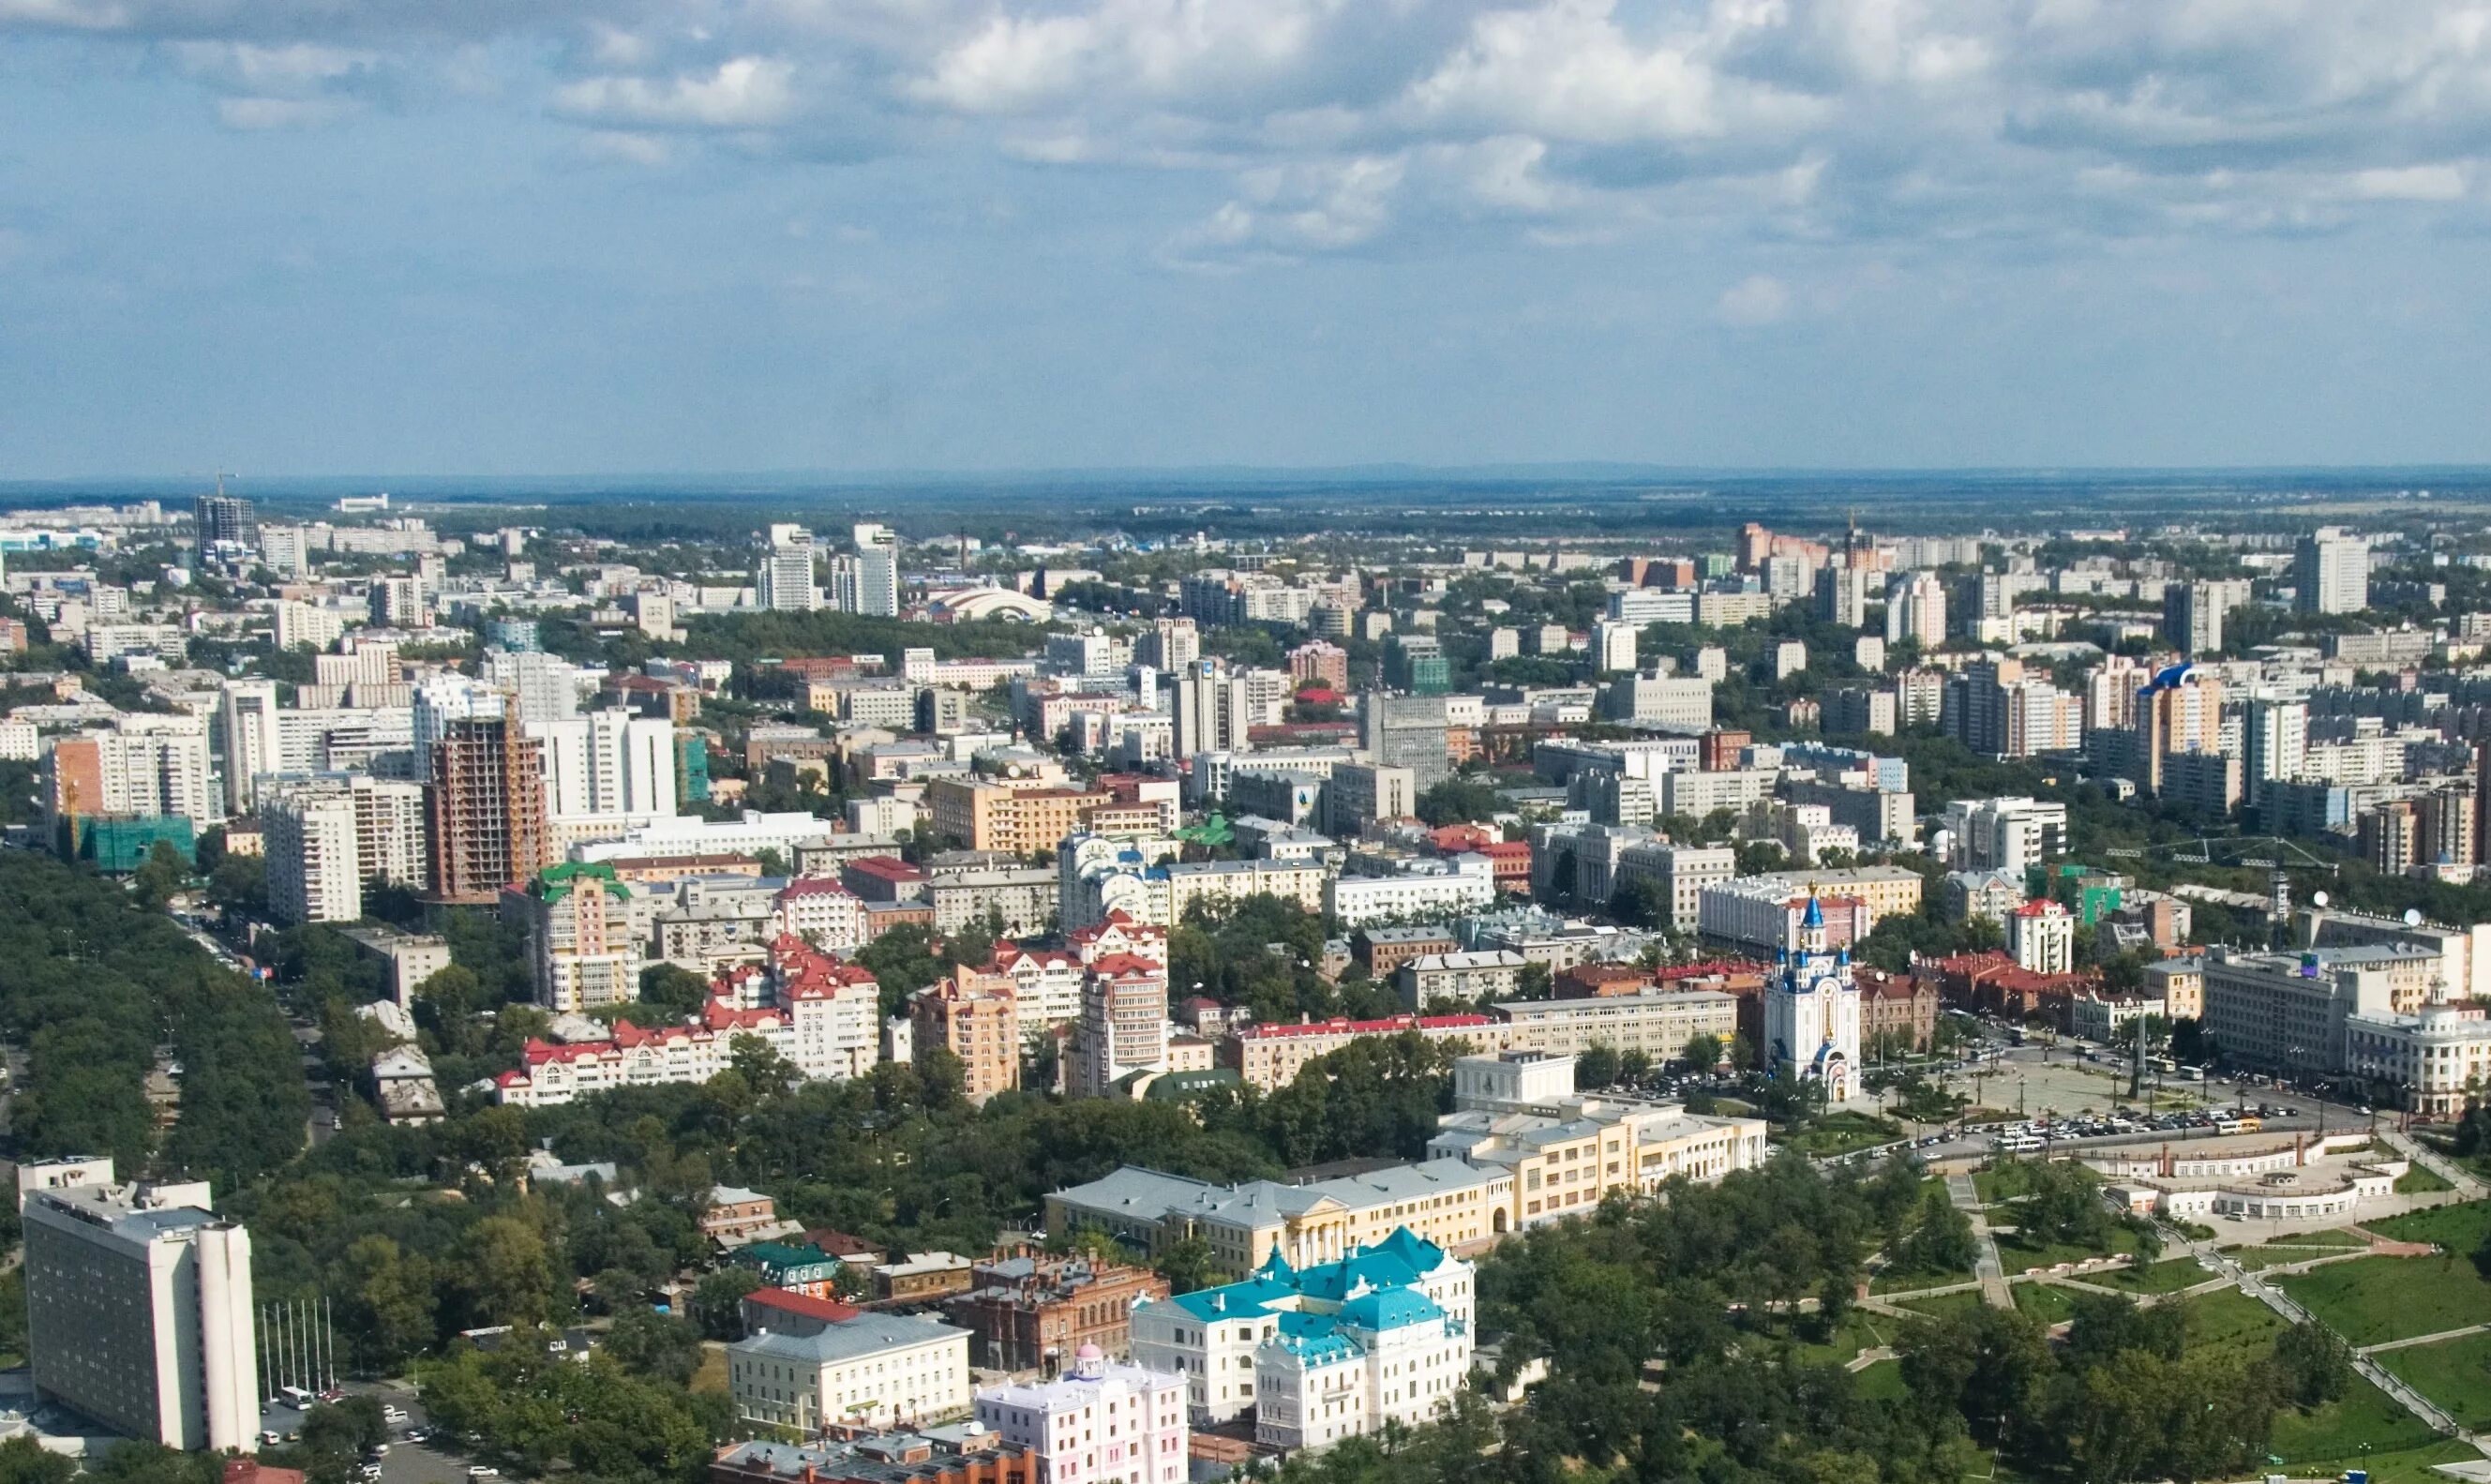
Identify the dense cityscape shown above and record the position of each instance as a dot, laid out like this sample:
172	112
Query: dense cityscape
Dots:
981	987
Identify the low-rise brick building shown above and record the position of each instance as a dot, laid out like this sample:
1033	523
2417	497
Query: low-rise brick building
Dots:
1029	1311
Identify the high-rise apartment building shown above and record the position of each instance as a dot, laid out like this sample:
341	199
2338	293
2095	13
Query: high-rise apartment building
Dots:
1996	710
1211	709
247	725
487	807
2330	571
608	765
2275	739
543	687
1613	646
1168	645
582	938
2181	712
974	1017
1842	596
1123	1023
783	582
144	766
139	1306
2192	618
308	848
1916	609
330	839
877	571
398	601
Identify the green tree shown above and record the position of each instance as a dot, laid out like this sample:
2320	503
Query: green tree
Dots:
656	1346
161	874
1703	1052
391	1301
672	991
2316	1366
717	1301
1187	1265
1941	1238
506	1272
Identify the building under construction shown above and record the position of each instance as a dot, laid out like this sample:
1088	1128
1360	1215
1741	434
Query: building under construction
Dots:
488	811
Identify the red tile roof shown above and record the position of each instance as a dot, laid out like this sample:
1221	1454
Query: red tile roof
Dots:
828	1310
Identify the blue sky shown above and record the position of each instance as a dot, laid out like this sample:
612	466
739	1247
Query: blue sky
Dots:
492	237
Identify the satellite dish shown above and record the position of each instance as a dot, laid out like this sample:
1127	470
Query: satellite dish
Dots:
2318	899
2413	916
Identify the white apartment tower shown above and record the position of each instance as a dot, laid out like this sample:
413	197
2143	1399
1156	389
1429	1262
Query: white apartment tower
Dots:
1916	608
607	765
247	726
877	571
784	583
2330	571
1613	646
139	1307
329	838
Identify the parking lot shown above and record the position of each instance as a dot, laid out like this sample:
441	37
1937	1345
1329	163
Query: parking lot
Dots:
410	1460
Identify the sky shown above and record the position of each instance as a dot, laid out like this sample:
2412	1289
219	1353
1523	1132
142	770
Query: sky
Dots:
512	237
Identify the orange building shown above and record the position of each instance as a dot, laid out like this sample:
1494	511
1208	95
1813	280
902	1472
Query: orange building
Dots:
974	1017
989	814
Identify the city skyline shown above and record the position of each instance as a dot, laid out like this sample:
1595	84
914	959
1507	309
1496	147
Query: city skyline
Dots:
1147	234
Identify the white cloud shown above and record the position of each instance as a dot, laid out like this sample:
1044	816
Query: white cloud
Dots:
1757	300
293	69
259	114
748	92
621	146
2410	182
1568	70
66	14
1342	124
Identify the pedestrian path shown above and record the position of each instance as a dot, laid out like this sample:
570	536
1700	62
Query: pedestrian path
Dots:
1985	1266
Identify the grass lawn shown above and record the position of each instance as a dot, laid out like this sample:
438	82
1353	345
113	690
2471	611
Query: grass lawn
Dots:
2047	1303
2228	1318
1999	1182
2168	1276
2457	1228
2375	1298
1859	1330
2457	1373
1945	1305
1883	1382
2335	1432
2419	1181
1841	1133
712	1374
1891	1282
2015	1254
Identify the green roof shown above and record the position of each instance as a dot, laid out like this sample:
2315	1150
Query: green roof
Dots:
555	882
